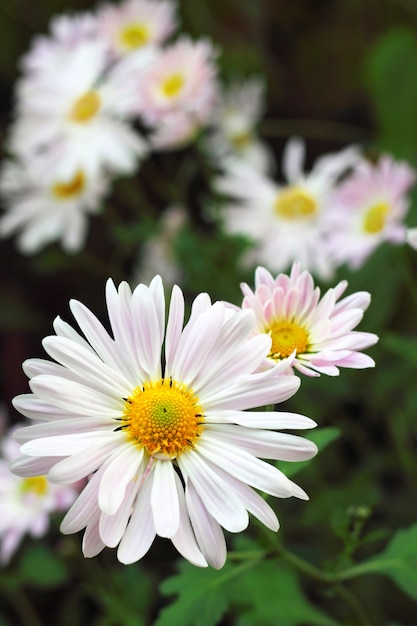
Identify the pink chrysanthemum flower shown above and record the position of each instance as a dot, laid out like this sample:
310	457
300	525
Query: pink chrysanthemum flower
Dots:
171	448
285	221
181	79
26	503
368	208
136	24
319	331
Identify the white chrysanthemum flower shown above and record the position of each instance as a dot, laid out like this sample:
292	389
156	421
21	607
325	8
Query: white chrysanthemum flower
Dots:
180	80
172	449
45	208
136	24
25	503
319	331
368	208
77	116
286	222
66	31
235	117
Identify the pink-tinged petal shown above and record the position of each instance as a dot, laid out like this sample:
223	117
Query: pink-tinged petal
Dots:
261	443
80	465
88	367
358	300
164	500
112	527
156	289
35	367
140	531
35	408
184	539
357	361
27	466
345	321
246	468
92	543
252	391
63	445
264	277
84	509
208	532
218	498
174	327
60	427
146	331
261	419
63	329
81	399
123	468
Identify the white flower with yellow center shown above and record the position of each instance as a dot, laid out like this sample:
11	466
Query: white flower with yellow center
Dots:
77	117
171	448
135	25
286	222
180	80
318	332
25	503
368	208
44	208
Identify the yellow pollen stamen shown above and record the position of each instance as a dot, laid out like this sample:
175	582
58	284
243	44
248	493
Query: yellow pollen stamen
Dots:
134	35
36	484
287	337
375	218
165	417
294	203
86	107
172	85
73	187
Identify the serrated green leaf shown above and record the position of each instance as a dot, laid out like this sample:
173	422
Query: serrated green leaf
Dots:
41	568
203	595
398	561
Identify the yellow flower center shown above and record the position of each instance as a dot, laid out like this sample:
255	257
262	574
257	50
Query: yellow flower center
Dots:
287	337
375	218
165	417
36	484
73	187
241	140
86	107
294	203
172	85
134	35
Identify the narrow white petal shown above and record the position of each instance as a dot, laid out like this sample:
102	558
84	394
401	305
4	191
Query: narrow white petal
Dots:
92	543
84	509
140	531
174	327
122	469
112	527
184	539
27	466
208	532
80	465
164	500
261	419
63	445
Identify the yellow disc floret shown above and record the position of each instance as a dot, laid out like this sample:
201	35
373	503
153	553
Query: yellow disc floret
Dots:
173	85
37	485
86	107
74	187
134	35
165	417
294	203
375	218
287	337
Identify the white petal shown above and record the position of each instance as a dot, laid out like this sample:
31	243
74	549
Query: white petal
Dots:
112	527
164	500
174	326
140	531
120	471
92	543
84	509
80	465
184	539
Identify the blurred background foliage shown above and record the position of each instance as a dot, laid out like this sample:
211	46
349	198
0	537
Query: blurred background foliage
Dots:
337	72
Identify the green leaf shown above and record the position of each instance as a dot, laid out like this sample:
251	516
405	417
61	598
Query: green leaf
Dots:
203	595
398	561
391	77
271	594
321	437
39	567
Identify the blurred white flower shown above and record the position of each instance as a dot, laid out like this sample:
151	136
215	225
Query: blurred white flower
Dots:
286	222
368	208
26	503
44	208
235	117
134	25
78	116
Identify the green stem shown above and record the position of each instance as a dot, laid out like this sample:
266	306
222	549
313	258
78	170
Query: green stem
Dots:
351	601
369	567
